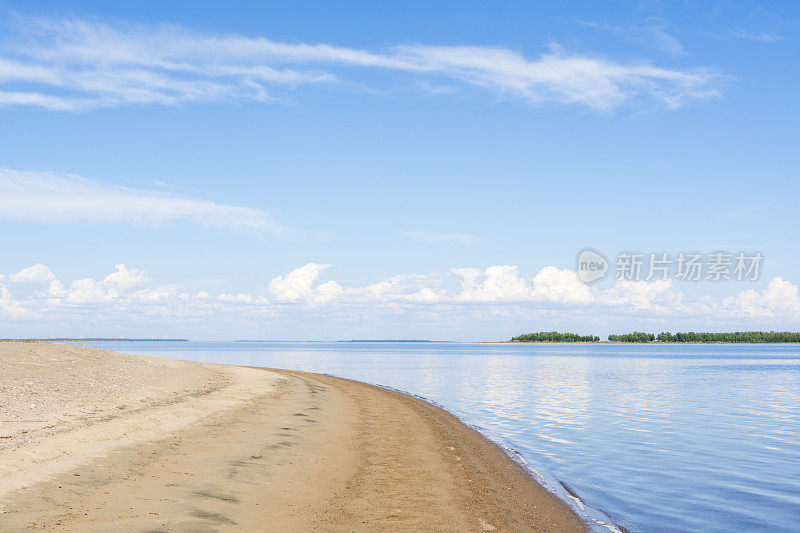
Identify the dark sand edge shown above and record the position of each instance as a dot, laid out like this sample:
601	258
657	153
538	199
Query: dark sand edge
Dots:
500	487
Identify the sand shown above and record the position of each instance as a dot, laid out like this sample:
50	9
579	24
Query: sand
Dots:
92	440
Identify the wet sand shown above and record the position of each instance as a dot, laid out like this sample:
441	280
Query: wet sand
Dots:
161	445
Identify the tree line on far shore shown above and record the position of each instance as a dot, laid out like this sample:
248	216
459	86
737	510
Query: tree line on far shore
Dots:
554	336
742	337
734	337
636	336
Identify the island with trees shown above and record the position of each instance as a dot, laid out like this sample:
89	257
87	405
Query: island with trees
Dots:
554	336
636	336
735	337
739	337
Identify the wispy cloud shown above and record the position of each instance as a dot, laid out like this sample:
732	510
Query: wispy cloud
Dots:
760	37
427	236
741	34
655	35
77	64
49	197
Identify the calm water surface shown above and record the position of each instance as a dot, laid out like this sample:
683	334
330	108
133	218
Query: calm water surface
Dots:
649	438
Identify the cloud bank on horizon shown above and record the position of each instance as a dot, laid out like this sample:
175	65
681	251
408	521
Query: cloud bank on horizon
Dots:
74	65
498	292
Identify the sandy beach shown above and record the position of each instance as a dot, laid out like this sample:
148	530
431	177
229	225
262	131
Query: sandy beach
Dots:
93	440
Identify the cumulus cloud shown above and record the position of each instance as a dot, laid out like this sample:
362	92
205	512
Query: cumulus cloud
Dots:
11	309
561	286
157	295
37	273
504	283
77	64
327	292
402	288
301	285
240	298
112	287
501	283
779	300
642	295
49	197
40	274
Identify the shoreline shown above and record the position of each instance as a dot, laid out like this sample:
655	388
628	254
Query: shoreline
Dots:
309	451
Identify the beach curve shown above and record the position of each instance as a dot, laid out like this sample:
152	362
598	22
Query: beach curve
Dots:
217	447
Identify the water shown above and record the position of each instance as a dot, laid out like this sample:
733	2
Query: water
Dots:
649	438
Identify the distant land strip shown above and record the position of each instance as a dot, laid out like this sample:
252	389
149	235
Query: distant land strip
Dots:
345	340
389	340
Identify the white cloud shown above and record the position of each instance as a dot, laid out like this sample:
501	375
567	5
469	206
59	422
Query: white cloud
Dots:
759	37
501	283
327	292
124	278
504	284
48	197
561	287
40	274
560	77
37	273
240	298
11	309
643	296
75	65
111	288
299	286
402	288
779	300
158	295
499	292
654	35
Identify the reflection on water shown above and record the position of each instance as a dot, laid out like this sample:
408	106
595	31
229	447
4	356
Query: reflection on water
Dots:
659	437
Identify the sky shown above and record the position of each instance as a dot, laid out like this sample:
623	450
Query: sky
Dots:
318	171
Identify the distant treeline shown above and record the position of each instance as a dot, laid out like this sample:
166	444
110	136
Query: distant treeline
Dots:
554	336
737	336
636	336
744	337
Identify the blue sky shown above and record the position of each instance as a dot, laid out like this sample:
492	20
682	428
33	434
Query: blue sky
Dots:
213	150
